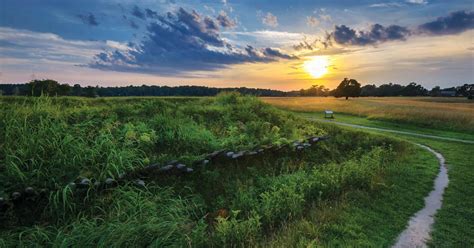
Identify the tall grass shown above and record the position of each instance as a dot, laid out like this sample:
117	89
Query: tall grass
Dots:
444	113
48	142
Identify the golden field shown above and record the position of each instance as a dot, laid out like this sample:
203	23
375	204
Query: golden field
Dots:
451	113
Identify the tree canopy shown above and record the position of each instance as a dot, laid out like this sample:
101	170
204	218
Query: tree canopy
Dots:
348	88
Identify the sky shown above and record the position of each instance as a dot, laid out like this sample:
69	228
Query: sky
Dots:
285	45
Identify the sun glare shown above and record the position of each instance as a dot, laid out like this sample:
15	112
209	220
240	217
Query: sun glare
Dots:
317	66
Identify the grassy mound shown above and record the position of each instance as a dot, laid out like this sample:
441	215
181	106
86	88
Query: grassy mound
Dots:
48	142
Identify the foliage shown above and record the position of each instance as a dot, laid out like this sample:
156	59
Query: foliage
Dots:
49	142
53	88
348	88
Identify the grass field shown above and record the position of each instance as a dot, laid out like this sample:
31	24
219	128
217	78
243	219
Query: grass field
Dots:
338	192
454	222
454	114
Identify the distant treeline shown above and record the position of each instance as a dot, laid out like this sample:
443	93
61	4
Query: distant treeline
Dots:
390	89
53	88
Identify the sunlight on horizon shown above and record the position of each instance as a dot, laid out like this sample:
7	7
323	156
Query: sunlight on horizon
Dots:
317	66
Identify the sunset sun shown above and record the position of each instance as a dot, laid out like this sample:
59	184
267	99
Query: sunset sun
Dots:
317	66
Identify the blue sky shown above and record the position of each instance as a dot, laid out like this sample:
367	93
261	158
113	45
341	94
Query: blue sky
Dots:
236	43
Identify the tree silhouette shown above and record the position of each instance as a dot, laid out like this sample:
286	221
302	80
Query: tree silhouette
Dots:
348	88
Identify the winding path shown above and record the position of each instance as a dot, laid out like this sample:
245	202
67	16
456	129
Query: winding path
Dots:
419	227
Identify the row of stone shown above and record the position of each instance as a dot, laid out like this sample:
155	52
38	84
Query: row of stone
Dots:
171	168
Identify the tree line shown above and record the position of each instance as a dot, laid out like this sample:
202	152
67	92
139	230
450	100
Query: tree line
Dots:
351	88
347	88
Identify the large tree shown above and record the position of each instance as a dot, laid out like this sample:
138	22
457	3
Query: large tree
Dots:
348	88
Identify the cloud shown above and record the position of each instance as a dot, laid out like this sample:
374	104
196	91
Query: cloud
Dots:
386	5
193	43
150	13
37	48
264	38
88	19
137	12
133	24
312	21
272	52
376	34
270	20
225	21
317	44
454	23
325	17
423	2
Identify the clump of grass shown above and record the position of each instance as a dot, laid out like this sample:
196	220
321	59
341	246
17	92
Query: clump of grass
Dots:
126	217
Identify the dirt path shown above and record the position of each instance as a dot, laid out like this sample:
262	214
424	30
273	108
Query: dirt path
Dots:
419	227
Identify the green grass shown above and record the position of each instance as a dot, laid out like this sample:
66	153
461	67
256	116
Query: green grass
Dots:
365	218
353	119
355	189
454	222
49	142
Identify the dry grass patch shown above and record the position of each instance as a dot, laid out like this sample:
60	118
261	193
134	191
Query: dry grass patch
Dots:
445	113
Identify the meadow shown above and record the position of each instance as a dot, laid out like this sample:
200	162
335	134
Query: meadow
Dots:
453	226
338	191
446	113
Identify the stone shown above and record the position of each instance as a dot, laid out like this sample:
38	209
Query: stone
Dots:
237	155
181	166
3	204
152	167
214	154
30	191
260	150
229	154
306	144
85	181
172	162
166	168
140	183
299	148
16	196
110	181
43	191
189	170
252	153
205	161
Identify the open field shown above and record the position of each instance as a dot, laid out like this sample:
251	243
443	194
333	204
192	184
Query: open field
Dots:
444	117
453	225
335	192
455	114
